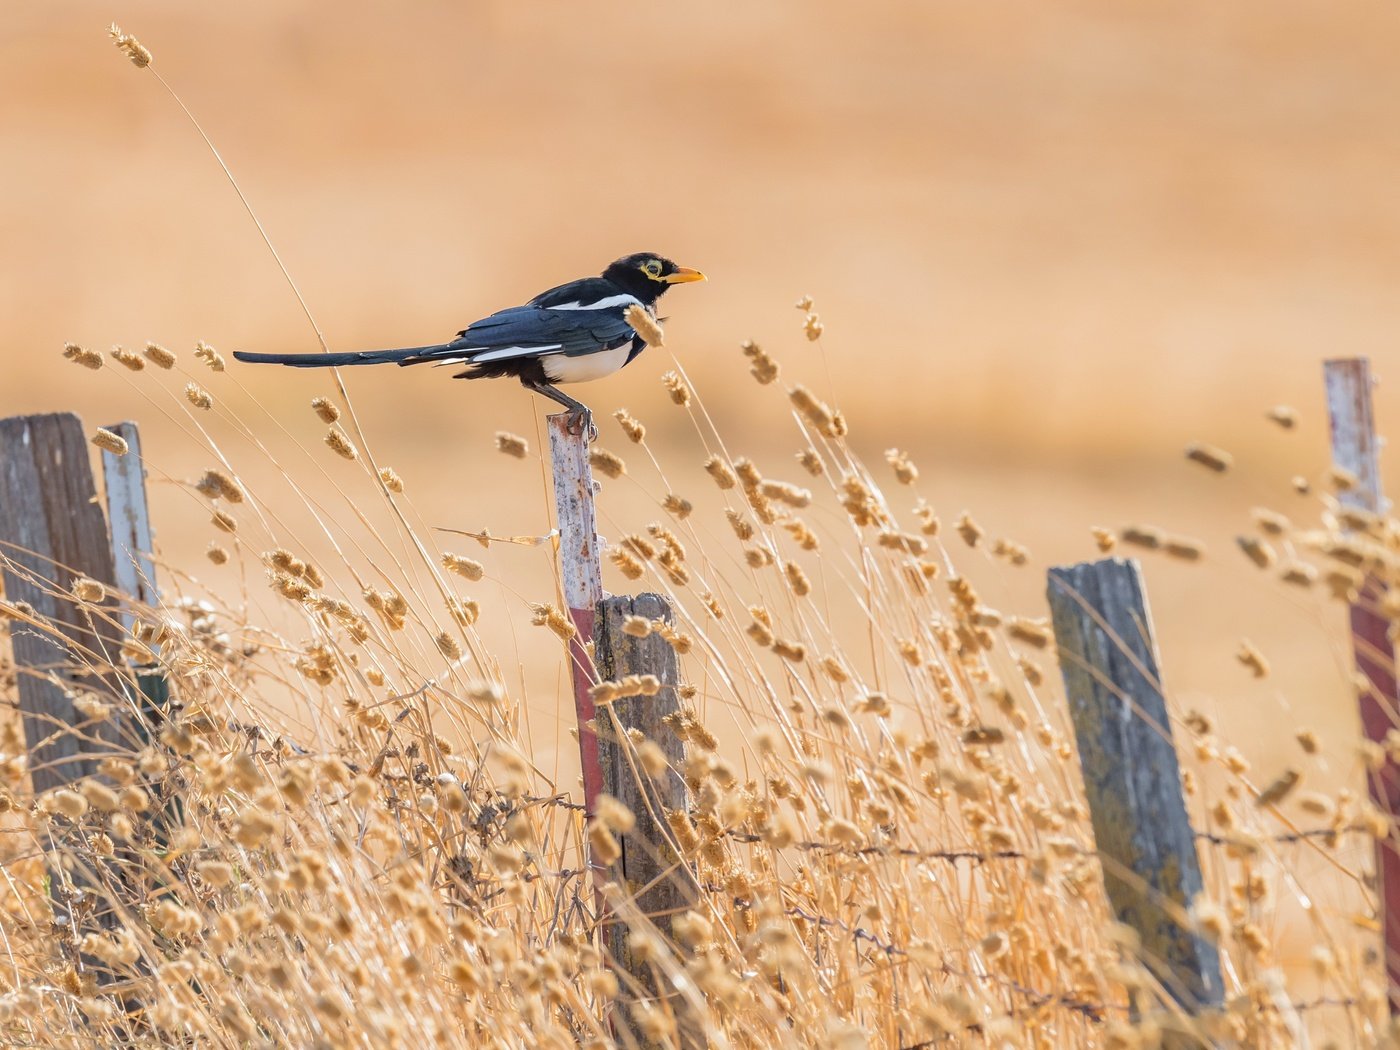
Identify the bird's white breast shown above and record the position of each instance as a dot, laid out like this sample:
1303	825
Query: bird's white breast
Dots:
586	367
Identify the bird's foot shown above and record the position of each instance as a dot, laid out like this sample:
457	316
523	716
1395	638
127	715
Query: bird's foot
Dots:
581	422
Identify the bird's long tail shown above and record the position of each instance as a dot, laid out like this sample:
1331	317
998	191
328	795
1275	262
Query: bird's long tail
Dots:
405	356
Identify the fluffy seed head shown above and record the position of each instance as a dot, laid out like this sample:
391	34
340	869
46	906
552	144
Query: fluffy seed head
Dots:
110	442
128	360
465	611
1210	457
721	472
129	46
557	621
632	427
677	388
1256	550
969	530
339	442
606	463
1184	548
818	413
761	366
87	358
88	590
1279	789
1148	537
198	396
326	409
626	563
613	815
468	568
645	325
904	470
784	492
1252	658
159	356
209	356
512	444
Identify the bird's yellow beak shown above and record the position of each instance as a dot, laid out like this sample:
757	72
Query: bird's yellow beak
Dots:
683	275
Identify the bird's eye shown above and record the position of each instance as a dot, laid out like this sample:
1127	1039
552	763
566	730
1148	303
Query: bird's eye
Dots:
652	268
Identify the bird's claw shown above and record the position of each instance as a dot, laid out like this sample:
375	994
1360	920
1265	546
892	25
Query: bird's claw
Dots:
578	421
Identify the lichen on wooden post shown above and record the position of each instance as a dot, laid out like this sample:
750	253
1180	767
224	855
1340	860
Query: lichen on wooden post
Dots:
1131	775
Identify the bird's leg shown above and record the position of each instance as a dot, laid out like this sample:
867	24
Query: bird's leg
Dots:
579	415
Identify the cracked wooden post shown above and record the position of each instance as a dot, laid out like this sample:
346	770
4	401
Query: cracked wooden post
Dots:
655	879
582	582
1131	776
1356	449
52	531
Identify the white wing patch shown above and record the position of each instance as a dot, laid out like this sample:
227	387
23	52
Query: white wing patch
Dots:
601	304
505	352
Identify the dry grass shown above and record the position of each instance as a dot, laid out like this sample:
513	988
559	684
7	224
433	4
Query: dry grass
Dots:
886	823
340	835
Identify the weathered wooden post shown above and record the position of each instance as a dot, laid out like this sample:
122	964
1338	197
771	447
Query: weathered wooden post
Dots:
1356	449
655	877
1113	684
582	581
124	484
53	531
128	514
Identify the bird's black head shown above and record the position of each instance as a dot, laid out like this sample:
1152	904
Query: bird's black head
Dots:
647	275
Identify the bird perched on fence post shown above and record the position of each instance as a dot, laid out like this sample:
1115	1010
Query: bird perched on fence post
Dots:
570	334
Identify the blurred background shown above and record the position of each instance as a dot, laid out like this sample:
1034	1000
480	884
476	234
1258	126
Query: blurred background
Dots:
1050	244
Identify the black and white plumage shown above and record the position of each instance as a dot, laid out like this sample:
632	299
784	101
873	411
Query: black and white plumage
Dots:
574	333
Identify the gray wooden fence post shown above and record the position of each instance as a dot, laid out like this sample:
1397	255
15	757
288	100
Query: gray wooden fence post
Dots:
1113	684
52	531
1356	448
658	881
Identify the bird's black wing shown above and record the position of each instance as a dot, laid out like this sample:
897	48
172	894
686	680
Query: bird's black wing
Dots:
581	317
581	294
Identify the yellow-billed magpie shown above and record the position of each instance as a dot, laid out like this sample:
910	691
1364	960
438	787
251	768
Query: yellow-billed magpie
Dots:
570	334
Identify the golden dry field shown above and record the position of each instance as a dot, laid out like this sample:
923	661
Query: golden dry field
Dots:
1049	245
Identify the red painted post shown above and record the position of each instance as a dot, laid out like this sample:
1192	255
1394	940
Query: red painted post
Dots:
1356	448
582	582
